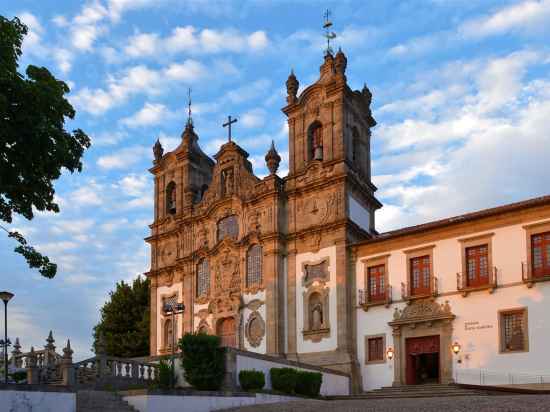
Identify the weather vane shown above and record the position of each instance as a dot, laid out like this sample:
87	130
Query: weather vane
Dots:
329	35
189	119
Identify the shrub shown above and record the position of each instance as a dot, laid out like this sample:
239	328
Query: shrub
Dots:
165	372
283	379
202	360
251	380
308	383
19	376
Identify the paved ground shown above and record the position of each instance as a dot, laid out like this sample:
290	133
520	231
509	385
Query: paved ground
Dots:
498	403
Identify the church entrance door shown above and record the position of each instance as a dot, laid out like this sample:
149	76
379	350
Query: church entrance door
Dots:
422	360
227	333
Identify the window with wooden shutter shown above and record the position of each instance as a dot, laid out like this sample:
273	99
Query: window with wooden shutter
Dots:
420	275
477	265
376	283
513	330
375	346
540	254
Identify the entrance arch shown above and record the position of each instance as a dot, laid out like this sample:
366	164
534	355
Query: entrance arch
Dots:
227	332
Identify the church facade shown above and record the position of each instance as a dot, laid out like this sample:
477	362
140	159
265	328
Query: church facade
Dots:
294	266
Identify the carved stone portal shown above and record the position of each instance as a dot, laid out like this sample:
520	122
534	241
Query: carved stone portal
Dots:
255	329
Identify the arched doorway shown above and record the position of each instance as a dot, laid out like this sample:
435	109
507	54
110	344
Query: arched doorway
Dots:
227	332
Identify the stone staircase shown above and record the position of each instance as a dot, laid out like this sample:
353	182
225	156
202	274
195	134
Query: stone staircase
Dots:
416	391
101	401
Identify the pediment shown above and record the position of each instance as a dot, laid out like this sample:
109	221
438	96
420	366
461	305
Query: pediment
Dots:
424	310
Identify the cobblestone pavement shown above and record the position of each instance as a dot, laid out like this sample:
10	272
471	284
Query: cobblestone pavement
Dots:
497	403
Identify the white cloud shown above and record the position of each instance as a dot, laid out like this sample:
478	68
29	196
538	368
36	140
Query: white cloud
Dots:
74	226
124	158
86	27
60	21
113	225
253	118
56	247
86	196
109	138
80	279
247	92
135	185
150	114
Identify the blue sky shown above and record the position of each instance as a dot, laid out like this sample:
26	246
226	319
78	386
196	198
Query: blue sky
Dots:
461	95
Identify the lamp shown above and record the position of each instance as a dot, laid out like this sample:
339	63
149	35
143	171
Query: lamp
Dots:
455	348
173	309
390	353
6	297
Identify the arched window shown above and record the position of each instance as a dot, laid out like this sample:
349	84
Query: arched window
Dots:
254	266
315	141
228	227
203	278
168	334
316	314
171	198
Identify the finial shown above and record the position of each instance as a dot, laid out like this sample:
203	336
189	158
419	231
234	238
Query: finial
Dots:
158	151
329	35
292	85
50	338
340	62
67	351
189	118
272	159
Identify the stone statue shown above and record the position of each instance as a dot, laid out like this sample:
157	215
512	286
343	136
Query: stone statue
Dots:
317	317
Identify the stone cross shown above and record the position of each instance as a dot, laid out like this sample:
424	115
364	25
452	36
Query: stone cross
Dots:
228	125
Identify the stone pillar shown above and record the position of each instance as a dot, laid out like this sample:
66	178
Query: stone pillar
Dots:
230	379
398	353
291	303
153	317
32	371
67	370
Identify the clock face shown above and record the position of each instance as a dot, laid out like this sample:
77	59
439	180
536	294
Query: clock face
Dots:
168	253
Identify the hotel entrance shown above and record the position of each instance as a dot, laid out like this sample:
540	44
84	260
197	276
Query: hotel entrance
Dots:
422	355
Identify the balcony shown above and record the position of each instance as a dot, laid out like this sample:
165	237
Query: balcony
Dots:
531	275
367	300
409	294
465	285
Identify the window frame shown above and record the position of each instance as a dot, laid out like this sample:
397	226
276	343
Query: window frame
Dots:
171	187
381	260
311	140
208	285
368	338
417	253
530	231
259	283
525	330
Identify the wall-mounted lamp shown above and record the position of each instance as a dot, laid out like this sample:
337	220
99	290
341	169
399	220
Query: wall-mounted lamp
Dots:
456	348
390	353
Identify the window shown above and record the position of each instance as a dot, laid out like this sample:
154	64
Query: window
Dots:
171	198
540	254
203	278
254	266
376	283
420	275
228	227
168	302
375	349
477	265
513	330
315	142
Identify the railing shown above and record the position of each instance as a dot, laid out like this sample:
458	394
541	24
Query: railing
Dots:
463	285
408	295
109	368
488	377
530	275
366	299
44	358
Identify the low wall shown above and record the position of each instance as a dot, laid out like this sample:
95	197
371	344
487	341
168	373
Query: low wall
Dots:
334	382
193	401
30	398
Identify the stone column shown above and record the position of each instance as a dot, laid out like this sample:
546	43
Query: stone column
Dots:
153	317
230	379
398	354
32	371
67	369
291	303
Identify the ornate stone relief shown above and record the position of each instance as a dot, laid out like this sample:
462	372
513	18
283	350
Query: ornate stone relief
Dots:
315	272
168	253
316	313
255	329
255	304
226	273
425	310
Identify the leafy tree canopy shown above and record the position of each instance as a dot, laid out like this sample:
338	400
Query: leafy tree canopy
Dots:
124	326
34	145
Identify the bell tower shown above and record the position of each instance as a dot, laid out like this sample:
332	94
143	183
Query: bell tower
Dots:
331	205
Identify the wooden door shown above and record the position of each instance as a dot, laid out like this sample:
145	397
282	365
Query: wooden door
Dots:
415	347
420	276
227	332
477	265
540	251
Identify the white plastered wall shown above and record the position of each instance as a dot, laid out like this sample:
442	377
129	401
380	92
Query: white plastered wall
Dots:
480	344
262	348
328	343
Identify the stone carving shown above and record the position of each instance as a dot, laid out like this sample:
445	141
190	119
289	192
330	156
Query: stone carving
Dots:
316	272
227	273
227	182
255	329
423	310
316	313
158	151
292	85
255	304
168	253
272	159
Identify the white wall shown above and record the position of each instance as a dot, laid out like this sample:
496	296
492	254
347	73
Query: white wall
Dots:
480	346
359	214
328	343
246	313
333	384
28	401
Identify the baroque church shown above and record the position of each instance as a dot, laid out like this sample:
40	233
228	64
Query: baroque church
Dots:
293	267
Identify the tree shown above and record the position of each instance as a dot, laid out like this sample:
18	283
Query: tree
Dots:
34	145
124	325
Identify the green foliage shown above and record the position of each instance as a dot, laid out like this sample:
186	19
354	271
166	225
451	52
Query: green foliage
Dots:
308	383
124	326
283	379
18	376
165	372
251	380
202	360
34	145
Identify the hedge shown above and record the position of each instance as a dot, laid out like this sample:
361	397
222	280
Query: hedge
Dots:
202	360
283	379
292	381
308	383
251	380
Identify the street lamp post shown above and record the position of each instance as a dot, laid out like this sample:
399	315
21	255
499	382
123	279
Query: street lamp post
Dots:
173	310
6	296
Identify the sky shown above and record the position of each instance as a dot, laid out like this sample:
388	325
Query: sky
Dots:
461	94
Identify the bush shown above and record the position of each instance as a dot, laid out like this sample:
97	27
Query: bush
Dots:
251	380
202	360
308	383
18	376
165	372
283	379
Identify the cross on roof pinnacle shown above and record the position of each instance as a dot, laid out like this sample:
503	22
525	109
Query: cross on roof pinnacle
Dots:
228	125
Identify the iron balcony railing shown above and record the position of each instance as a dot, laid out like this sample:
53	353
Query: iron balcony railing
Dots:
464	283
408	293
367	299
